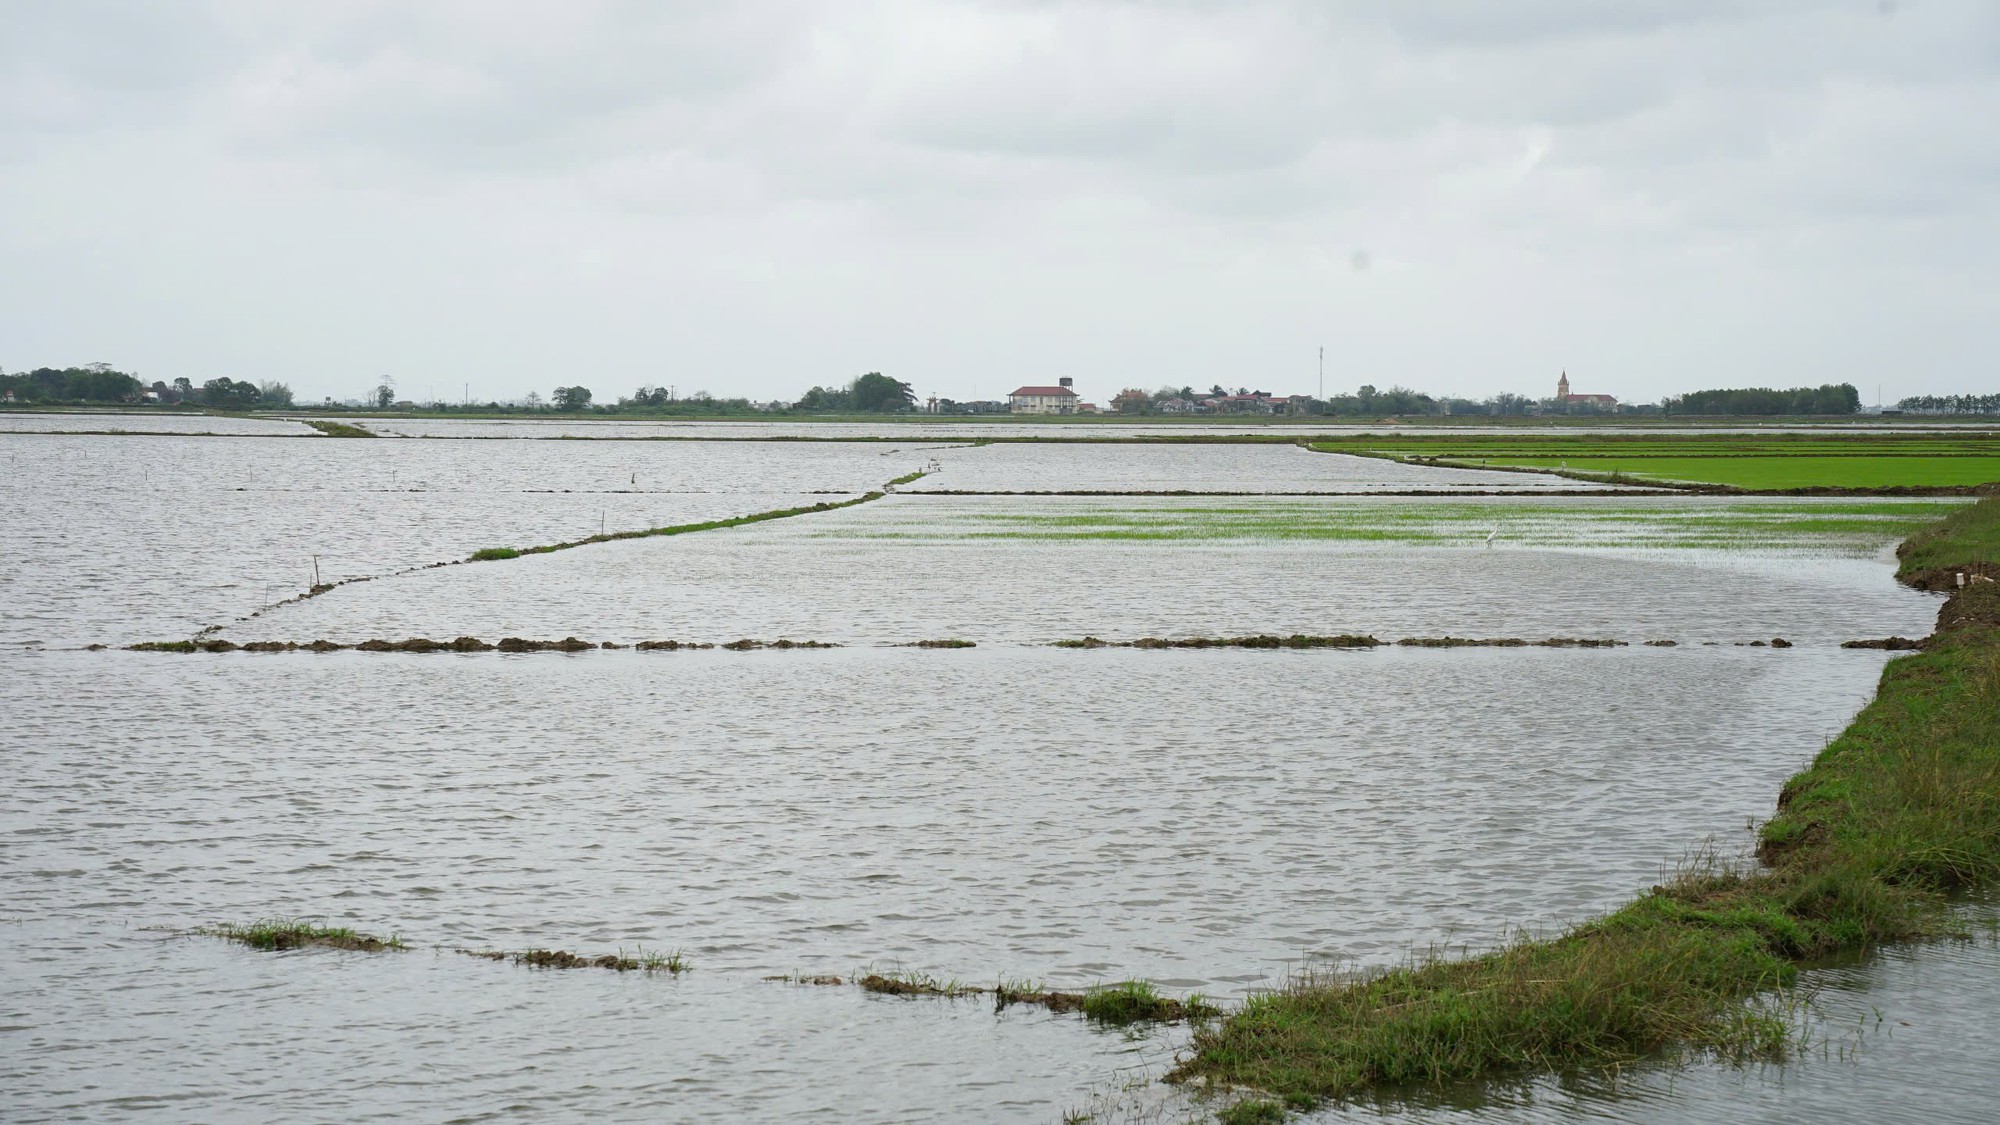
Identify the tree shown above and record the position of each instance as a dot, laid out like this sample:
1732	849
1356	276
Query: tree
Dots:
385	393
570	398
876	393
228	394
823	400
274	394
99	383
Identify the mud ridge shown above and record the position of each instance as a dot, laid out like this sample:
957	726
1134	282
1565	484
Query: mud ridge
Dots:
461	644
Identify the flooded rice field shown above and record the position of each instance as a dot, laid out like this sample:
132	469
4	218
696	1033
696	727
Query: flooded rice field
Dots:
1022	467
1207	820
908	568
121	539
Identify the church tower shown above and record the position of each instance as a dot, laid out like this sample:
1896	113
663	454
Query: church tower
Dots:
1562	386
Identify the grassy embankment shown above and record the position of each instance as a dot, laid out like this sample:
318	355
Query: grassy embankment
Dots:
1751	462
1902	808
489	554
339	429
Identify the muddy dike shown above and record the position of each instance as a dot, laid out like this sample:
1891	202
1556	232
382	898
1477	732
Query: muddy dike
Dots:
1362	640
641	962
1516	642
495	554
466	644
1265	640
1899	812
1892	644
1121	1004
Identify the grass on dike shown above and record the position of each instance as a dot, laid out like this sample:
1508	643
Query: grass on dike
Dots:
1765	472
1966	537
1772	461
1901	808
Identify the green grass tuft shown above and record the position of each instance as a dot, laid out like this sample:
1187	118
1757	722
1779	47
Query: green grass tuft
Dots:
1128	1002
486	554
273	934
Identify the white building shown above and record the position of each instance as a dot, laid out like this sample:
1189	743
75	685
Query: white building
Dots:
1058	399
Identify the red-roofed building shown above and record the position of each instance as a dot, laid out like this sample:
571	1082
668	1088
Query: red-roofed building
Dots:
1058	399
1605	403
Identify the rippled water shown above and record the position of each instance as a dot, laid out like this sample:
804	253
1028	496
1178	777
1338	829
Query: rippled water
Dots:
1208	820
121	539
1204	820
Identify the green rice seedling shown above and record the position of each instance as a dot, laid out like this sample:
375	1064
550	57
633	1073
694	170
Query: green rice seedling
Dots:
488	554
674	963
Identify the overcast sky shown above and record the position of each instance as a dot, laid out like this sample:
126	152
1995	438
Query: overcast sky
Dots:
1462	196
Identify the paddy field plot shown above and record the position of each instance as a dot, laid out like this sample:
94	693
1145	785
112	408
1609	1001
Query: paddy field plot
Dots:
1857	461
1028	570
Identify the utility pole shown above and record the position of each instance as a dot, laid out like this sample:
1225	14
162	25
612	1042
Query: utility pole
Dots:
1322	372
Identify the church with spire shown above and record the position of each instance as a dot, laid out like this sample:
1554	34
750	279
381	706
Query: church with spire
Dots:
1604	403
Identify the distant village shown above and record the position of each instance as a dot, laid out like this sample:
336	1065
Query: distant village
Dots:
1062	398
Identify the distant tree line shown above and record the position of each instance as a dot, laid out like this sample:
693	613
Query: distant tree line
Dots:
1950	404
1830	398
102	383
93	382
1367	401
